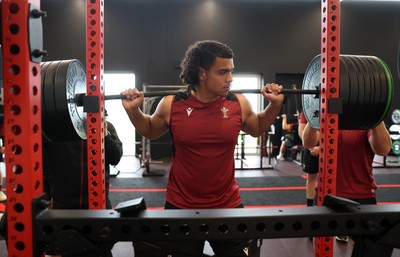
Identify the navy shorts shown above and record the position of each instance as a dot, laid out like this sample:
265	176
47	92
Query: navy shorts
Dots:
310	162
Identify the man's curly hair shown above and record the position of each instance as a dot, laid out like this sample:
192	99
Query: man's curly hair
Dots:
201	54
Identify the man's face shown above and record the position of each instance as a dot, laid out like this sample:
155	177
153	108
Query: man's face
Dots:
217	79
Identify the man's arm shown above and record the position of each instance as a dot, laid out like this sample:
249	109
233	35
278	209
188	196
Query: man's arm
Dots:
380	140
301	130
310	137
151	127
256	124
285	125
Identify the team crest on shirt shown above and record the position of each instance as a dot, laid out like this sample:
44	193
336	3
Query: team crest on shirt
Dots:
189	110
225	111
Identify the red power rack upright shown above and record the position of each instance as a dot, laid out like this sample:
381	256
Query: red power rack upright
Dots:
95	120
21	41
330	65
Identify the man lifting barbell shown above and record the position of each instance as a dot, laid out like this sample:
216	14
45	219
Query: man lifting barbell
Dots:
204	122
364	82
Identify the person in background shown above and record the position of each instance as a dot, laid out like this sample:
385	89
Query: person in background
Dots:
204	122
65	166
68	165
311	160
290	139
355	154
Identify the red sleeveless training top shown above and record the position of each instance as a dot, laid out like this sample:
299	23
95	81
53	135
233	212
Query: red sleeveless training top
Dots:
204	137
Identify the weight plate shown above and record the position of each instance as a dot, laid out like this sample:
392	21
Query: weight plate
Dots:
396	116
396	147
394	132
398	61
345	94
387	88
373	87
49	117
43	68
369	91
344	87
349	119
380	90
70	79
310	103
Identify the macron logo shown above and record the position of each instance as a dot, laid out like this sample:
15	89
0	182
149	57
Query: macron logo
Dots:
189	110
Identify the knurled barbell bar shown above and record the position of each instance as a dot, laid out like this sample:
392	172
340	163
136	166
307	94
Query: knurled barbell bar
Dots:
79	97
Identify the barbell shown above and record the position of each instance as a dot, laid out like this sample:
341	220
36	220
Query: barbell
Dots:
79	97
366	88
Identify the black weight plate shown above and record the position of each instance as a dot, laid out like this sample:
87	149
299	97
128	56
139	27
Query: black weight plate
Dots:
398	61
350	102
43	70
49	122
376	73
380	90
347	118
344	90
70	79
364	87
56	128
311	104
375	93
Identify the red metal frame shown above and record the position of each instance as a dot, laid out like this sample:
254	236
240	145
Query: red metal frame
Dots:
330	70
95	121
22	126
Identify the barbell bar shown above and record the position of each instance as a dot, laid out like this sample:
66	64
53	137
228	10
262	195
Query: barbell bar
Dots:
366	89
79	97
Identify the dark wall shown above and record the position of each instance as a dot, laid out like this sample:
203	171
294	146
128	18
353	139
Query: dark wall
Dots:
149	37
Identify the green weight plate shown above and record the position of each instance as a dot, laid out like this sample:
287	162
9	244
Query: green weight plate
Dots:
389	87
310	103
396	147
70	79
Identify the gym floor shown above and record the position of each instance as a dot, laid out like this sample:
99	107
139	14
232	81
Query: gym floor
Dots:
130	167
